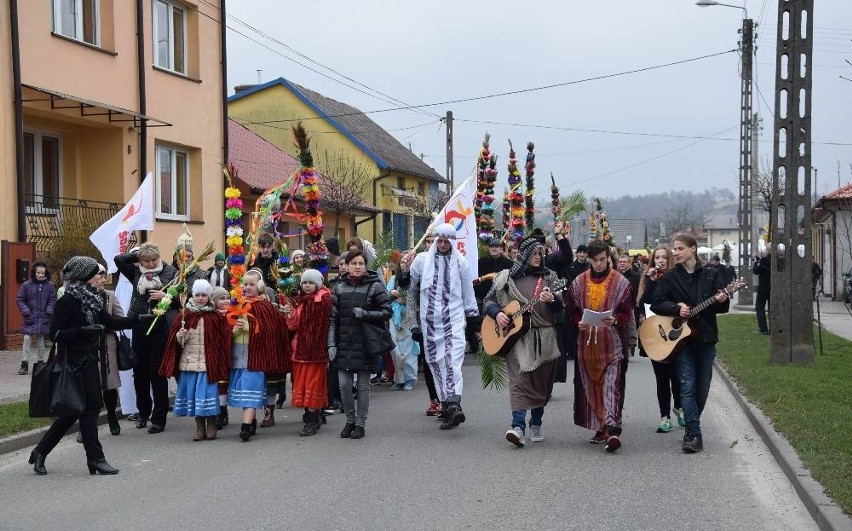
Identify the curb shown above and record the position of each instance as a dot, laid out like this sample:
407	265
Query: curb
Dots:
19	441
826	514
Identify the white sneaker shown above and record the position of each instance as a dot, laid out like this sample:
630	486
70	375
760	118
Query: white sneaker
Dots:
516	437
535	434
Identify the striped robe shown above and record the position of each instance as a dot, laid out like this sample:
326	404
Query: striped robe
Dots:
599	374
446	296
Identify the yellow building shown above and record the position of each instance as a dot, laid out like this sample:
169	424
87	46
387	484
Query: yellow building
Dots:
101	104
350	149
98	93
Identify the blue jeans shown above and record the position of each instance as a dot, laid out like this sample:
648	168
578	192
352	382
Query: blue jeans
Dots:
694	370
519	418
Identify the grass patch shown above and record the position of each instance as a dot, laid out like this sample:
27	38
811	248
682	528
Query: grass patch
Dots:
15	418
810	405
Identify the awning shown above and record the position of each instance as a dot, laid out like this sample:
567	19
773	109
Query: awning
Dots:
59	101
399	192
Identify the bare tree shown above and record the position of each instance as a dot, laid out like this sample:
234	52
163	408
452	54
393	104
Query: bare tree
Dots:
347	184
684	218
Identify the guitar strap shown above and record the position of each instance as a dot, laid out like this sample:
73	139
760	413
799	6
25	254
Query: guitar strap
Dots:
539	286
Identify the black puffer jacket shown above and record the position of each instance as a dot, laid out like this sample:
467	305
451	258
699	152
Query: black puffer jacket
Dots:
345	331
128	266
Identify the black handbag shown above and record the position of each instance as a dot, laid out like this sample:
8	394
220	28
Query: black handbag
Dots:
126	356
56	390
377	336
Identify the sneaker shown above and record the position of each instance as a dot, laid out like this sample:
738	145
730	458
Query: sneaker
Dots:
434	406
408	387
692	444
516	437
535	434
132	417
613	443
680	420
396	387
453	417
599	438
665	425
375	380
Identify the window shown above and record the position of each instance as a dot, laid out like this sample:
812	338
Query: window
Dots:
77	19
42	166
172	183
170	36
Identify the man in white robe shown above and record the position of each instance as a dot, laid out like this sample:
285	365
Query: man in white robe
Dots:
440	277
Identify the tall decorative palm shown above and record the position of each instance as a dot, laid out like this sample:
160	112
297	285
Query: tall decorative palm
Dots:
570	207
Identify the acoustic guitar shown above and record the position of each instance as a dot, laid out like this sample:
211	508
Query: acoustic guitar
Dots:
498	341
663	337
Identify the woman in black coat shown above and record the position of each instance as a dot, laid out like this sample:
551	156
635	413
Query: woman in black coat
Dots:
78	326
149	275
359	300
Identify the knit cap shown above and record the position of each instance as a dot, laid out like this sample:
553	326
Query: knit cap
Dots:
313	276
201	286
218	294
219	257
81	268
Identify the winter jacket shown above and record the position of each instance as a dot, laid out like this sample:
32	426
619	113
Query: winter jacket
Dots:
112	380
84	346
763	269
560	262
36	300
345	331
676	286
140	303
213	275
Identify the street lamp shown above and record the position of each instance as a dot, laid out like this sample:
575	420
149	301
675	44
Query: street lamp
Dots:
745	220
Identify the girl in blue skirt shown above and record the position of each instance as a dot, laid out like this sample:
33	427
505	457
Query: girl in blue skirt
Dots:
198	355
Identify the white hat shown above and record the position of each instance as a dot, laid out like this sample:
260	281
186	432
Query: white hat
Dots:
445	230
201	286
313	276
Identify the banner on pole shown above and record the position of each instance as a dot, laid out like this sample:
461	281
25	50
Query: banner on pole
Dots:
112	237
458	212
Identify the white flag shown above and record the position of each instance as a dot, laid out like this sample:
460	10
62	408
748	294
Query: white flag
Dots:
458	212
138	214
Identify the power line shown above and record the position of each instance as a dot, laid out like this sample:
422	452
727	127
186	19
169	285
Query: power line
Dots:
512	92
657	157
277	52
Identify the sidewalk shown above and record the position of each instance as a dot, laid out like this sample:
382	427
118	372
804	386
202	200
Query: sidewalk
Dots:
833	315
14	386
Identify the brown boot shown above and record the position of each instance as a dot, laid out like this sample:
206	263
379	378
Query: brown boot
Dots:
268	416
211	428
200	432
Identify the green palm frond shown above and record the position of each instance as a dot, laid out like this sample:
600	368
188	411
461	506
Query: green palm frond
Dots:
572	205
384	247
495	373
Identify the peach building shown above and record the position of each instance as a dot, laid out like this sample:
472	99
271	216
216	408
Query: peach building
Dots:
97	93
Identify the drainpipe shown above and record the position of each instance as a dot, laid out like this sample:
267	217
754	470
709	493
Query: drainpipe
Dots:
223	52
143	100
19	120
383	175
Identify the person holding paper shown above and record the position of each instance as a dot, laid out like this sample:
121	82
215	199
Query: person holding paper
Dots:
668	387
598	372
532	362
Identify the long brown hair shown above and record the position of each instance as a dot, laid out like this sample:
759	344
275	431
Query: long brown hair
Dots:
669	263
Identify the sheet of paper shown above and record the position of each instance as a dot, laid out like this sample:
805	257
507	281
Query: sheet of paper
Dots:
593	318
648	312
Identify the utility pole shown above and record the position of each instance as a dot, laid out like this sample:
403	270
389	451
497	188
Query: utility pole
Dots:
746	243
791	310
450	183
755	185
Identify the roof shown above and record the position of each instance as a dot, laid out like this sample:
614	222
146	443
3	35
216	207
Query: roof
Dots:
385	150
844	192
721	222
261	164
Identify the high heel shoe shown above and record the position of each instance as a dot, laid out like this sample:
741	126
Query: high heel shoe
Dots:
37	460
100	466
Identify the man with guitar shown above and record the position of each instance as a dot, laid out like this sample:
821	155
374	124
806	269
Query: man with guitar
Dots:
531	362
678	291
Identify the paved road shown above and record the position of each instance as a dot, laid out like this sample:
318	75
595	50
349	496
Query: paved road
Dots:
408	474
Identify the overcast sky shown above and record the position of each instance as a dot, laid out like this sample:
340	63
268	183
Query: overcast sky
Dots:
432	52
